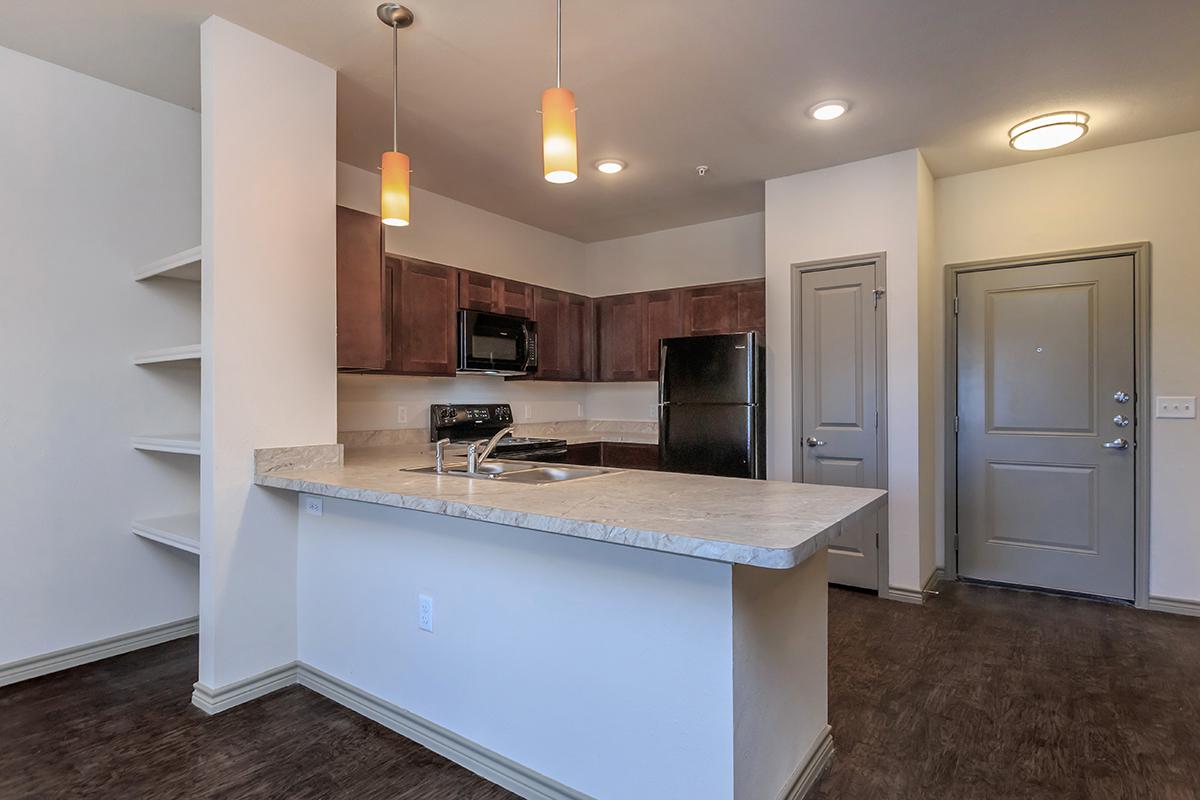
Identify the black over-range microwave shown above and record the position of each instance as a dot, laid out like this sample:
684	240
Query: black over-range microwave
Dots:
496	344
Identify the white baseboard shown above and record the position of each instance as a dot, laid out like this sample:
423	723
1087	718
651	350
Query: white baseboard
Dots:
214	701
814	766
68	657
486	763
1174	605
914	596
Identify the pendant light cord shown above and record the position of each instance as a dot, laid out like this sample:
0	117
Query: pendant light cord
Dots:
558	47
395	86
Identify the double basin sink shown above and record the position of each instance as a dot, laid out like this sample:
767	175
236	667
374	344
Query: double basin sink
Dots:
519	471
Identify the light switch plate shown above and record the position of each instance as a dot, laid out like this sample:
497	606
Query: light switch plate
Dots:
313	505
1175	407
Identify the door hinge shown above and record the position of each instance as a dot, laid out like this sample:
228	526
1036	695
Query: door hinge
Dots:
876	420
956	305
956	541
956	423
876	540
878	294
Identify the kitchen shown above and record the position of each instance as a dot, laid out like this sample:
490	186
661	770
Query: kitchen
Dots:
799	423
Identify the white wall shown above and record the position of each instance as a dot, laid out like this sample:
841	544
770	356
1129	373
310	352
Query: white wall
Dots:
710	252
451	232
95	180
866	207
1148	191
530	654
268	330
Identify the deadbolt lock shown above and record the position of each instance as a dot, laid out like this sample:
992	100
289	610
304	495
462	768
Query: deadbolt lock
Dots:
1121	397
1121	421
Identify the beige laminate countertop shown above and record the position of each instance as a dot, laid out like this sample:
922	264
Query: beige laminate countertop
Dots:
733	520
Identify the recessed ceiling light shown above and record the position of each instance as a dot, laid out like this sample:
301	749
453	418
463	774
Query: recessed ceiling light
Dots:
610	166
1048	131
829	109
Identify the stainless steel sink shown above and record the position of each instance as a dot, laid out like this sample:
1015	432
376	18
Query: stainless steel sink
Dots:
519	472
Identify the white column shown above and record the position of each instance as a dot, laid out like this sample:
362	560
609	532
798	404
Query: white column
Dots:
268	331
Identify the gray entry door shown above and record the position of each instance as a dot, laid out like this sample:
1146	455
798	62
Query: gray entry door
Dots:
839	403
1045	401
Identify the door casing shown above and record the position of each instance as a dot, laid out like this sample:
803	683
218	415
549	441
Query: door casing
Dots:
1140	252
879	261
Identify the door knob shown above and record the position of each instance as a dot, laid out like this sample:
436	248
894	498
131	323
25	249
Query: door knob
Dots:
1121	421
1117	444
813	441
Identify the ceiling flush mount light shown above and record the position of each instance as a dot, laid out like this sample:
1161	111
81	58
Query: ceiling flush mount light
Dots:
393	184
610	166
828	109
1048	131
560	148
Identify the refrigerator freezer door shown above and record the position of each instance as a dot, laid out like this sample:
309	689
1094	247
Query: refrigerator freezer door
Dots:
711	439
708	369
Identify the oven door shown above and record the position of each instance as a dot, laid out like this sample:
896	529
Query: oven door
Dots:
495	344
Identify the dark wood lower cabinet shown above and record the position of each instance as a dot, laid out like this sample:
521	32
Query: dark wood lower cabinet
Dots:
621	455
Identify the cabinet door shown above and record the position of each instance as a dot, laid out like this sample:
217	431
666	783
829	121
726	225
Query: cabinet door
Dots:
512	297
547	312
585	454
751	298
576	352
663	320
424	306
475	291
361	302
621	321
630	455
709	310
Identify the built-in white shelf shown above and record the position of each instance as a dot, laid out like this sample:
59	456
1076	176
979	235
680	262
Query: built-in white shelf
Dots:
184	266
186	443
187	352
181	531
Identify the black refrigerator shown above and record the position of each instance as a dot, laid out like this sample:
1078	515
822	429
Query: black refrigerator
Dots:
712	405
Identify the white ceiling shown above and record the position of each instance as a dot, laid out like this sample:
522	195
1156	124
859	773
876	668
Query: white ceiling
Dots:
667	85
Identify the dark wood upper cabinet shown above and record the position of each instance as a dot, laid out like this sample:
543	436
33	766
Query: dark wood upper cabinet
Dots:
361	302
481	292
724	308
664	320
564	321
577	350
752	306
424	330
547	313
621	325
399	315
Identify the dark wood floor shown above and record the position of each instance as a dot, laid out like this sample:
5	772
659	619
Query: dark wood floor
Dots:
983	693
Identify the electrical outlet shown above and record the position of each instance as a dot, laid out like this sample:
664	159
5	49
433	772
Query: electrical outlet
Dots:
1175	407
314	505
402	415
425	612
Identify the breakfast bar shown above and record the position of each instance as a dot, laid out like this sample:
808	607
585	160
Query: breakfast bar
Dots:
625	635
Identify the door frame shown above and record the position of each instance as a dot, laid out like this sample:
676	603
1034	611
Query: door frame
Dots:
1140	252
879	262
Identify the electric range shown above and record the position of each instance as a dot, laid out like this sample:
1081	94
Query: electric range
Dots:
463	424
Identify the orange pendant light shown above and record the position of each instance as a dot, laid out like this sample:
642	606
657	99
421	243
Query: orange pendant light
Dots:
560	147
394	166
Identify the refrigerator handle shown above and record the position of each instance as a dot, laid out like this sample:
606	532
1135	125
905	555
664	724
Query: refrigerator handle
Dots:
662	369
